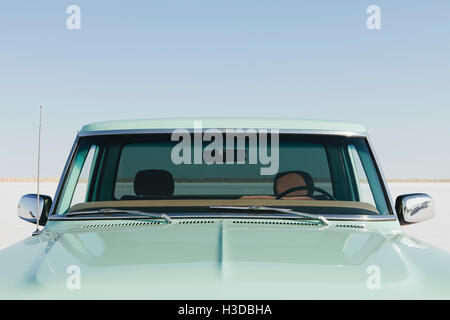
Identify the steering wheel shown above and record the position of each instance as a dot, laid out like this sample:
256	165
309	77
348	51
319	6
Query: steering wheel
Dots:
313	189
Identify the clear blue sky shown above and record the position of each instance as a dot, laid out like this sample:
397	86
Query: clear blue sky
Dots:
296	59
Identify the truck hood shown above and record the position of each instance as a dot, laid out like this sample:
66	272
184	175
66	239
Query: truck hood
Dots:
223	259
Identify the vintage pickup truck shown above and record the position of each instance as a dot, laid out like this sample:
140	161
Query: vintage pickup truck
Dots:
223	209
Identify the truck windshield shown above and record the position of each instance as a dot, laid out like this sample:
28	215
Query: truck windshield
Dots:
189	172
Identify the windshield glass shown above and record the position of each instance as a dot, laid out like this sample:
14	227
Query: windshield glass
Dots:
192	172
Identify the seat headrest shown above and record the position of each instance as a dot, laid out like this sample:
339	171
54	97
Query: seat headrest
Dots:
154	183
290	179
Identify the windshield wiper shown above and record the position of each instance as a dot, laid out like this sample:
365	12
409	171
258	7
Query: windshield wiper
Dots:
281	210
129	213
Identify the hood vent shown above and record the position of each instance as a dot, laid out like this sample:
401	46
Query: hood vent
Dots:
276	222
195	221
352	226
121	224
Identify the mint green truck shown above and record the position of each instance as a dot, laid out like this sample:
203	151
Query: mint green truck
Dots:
223	209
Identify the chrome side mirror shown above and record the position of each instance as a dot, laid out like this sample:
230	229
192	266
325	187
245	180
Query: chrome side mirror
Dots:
28	206
414	207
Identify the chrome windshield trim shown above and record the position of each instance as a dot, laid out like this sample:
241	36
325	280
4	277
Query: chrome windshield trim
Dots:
330	217
282	131
337	217
99	217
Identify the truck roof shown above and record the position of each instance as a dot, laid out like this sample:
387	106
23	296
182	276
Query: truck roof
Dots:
224	123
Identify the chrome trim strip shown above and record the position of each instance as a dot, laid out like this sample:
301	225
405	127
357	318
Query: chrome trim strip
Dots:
283	131
332	217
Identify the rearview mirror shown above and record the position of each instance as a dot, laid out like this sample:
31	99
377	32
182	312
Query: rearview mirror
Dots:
412	208
28	207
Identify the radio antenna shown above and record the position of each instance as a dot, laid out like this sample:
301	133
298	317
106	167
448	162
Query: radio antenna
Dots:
37	231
